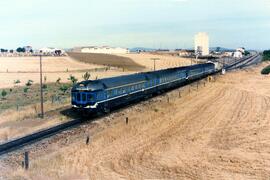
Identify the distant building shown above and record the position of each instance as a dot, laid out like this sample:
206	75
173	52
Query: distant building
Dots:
237	55
51	51
28	49
186	53
202	44
104	50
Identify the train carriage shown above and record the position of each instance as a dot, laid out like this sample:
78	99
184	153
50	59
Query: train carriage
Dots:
104	94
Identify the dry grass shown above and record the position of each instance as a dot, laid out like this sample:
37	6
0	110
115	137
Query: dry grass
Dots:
25	121
163	62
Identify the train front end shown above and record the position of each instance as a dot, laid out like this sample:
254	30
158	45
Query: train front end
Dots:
83	96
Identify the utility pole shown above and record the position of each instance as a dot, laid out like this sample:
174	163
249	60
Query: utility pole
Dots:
155	62
41	88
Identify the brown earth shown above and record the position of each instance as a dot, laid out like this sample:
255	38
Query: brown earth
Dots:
220	131
107	60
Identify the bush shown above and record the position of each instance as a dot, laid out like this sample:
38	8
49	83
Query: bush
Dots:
29	83
44	86
17	81
4	93
266	70
25	90
266	55
64	88
73	79
58	81
86	76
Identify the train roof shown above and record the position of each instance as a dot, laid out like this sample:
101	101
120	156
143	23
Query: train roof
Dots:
133	78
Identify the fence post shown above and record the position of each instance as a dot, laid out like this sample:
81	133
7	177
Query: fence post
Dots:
126	120
87	140
26	160
179	94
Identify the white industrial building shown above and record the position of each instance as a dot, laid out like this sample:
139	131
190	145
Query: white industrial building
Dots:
51	51
239	53
104	50
202	44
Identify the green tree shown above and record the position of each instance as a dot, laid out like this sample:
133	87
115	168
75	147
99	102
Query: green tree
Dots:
266	55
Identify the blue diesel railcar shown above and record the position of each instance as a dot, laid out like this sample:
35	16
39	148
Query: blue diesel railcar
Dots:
104	94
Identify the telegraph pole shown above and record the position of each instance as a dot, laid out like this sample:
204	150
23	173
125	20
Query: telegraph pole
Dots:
41	88
155	62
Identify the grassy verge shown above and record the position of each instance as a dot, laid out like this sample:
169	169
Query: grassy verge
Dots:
18	97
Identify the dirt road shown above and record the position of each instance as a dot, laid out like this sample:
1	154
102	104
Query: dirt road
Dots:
221	131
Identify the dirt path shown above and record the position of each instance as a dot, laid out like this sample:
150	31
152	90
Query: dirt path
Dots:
220	131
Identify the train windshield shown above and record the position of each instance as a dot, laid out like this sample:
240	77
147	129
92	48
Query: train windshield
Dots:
90	97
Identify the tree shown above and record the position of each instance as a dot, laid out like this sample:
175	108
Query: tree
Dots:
218	49
20	50
73	79
266	55
86	76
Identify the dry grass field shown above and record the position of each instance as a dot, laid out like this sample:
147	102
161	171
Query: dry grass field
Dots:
27	68
220	131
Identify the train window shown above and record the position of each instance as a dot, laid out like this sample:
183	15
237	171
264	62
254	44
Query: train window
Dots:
110	93
78	97
90	97
83	97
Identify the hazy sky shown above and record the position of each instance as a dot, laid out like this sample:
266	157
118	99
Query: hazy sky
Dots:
132	23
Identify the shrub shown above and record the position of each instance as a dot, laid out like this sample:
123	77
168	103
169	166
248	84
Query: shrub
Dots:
29	83
44	86
58	81
266	70
17	81
86	76
266	55
73	79
25	90
64	88
4	93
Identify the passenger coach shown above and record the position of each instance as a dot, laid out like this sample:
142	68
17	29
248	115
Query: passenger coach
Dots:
104	94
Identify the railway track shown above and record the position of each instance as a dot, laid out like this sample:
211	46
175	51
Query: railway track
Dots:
35	137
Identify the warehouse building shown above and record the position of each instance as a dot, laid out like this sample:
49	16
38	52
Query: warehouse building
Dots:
104	50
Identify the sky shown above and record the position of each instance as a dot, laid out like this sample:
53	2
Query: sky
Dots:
134	23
